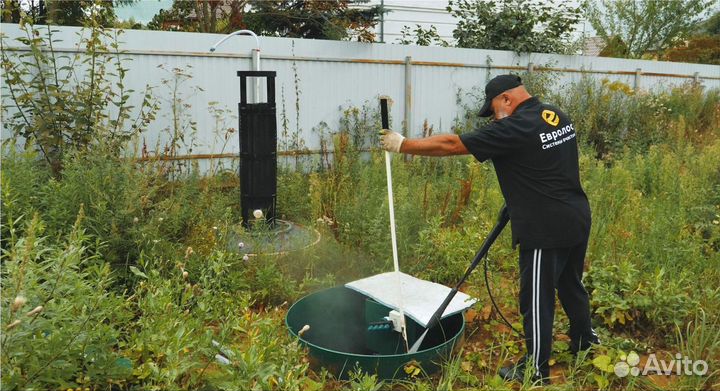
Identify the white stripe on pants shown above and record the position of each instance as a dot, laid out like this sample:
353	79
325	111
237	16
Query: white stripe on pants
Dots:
537	256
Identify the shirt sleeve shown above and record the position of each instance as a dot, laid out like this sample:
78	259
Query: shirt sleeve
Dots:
496	139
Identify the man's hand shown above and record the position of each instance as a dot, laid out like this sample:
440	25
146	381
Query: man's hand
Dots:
391	141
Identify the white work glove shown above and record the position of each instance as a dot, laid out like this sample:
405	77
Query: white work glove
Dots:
391	141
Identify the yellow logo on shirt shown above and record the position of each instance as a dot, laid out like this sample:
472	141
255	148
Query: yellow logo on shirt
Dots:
550	117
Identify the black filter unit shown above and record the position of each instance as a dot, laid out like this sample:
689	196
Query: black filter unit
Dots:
258	151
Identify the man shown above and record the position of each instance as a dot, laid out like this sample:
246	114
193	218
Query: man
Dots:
533	148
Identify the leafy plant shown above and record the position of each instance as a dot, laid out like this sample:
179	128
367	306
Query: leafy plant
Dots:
60	105
63	13
62	318
282	18
644	27
518	25
420	36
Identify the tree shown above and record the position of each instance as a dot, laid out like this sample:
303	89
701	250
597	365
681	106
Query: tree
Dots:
519	25
701	50
318	19
130	24
712	25
206	16
421	37
703	47
645	26
61	12
61	105
12	11
614	47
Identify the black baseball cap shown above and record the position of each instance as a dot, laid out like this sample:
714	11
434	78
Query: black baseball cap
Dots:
495	87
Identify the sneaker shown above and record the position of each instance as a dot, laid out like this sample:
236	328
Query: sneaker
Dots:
585	343
517	372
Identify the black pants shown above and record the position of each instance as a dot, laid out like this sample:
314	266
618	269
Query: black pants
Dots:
541	272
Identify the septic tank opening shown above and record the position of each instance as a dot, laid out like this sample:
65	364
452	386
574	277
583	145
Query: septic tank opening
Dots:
338	338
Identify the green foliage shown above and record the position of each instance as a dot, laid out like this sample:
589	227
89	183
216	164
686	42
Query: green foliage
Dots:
623	295
60	105
519	25
84	333
334	19
61	12
702	50
613	116
209	16
131	208
313	19
421	37
72	335
703	46
295	202
22	191
360	381
699	338
645	26
712	25
655	227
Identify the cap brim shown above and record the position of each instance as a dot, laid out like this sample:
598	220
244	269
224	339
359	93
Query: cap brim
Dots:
486	109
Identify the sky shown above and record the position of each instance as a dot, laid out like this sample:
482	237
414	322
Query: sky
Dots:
143	10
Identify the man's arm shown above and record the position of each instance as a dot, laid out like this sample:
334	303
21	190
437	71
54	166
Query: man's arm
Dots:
439	145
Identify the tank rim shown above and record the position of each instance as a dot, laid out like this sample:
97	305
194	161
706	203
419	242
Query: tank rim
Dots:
451	340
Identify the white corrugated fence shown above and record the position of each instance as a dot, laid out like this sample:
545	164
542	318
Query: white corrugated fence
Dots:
315	78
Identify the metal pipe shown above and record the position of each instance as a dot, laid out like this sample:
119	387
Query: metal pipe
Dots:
382	21
256	81
225	38
408	96
255	57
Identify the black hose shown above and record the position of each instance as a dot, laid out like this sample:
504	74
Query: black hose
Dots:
492	299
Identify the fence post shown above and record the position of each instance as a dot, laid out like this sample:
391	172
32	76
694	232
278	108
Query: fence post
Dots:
488	64
638	73
408	96
531	67
696	79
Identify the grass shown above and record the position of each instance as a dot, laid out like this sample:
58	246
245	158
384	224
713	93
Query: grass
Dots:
132	269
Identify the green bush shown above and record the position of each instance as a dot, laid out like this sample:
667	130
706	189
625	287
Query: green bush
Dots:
72	337
61	105
612	116
82	332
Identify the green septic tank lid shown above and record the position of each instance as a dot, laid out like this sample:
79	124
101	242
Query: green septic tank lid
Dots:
339	340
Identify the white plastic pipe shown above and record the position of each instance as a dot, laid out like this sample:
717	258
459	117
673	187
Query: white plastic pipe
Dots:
255	58
393	238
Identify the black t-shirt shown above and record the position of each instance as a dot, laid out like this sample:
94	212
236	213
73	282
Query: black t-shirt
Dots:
535	155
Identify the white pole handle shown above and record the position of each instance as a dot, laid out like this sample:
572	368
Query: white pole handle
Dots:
393	238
